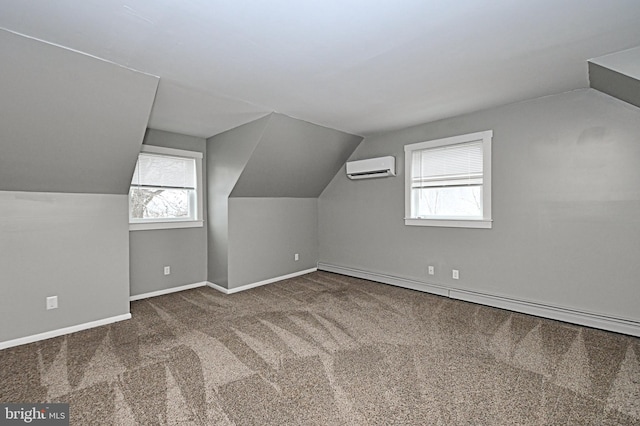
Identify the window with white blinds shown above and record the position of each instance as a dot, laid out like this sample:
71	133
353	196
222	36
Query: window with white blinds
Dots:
165	188
164	171
448	181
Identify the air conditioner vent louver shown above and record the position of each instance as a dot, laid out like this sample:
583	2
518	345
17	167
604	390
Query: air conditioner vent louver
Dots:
371	168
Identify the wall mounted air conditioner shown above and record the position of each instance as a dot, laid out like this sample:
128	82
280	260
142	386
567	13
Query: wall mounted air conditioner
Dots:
371	168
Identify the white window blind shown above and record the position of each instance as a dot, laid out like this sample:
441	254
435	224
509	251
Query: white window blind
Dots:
454	165
166	189
156	171
448	181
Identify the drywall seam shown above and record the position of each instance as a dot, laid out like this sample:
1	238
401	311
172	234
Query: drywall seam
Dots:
79	51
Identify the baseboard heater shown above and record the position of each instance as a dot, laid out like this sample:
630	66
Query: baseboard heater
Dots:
589	319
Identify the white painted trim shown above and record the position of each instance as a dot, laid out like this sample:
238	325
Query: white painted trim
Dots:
147	226
485	222
167	291
259	283
589	319
198	220
217	287
62	331
457	223
153	149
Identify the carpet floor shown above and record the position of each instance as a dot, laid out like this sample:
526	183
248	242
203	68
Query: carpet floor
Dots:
327	349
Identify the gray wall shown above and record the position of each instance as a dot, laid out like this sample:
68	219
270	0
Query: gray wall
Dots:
294	158
68	122
184	250
614	83
256	173
71	126
264	235
73	246
566	208
227	155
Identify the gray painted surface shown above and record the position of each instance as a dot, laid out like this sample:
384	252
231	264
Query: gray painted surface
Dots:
294	159
264	235
184	250
174	140
566	208
68	122
358	66
626	62
227	156
614	83
273	159
74	246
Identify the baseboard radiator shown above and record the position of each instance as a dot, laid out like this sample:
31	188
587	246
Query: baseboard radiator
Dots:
604	322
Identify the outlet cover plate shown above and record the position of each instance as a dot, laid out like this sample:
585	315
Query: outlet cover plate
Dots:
52	302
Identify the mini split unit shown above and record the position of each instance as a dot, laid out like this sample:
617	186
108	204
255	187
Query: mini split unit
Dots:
371	168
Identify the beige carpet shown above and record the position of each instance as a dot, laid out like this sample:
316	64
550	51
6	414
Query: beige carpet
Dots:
329	350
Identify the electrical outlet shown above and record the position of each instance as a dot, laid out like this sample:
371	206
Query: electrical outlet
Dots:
52	302
296	257
167	270
432	270
455	274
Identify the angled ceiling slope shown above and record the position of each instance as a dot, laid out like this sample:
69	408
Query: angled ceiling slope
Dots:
294	158
69	122
617	75
362	67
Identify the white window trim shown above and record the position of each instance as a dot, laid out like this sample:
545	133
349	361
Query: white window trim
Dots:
175	223
485	221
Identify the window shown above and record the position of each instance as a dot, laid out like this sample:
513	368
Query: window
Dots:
166	189
448	182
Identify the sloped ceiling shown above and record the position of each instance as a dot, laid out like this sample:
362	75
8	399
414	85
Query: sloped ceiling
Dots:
617	75
294	158
68	122
354	65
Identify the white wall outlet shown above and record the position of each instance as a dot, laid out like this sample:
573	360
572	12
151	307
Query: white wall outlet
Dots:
432	270
455	274
52	302
167	270
296	257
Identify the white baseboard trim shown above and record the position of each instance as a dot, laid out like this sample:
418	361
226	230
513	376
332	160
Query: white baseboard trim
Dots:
62	331
167	291
604	322
259	283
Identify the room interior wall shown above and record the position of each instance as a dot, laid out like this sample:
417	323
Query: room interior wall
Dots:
71	126
73	246
294	158
184	250
266	233
227	155
566	209
69	122
266	176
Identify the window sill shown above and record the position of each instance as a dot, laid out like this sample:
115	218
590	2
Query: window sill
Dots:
449	223
165	225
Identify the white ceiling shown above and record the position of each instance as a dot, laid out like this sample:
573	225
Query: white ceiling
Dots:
361	66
